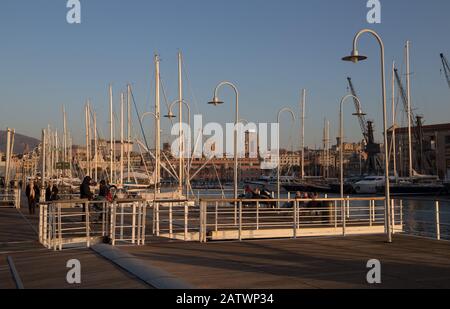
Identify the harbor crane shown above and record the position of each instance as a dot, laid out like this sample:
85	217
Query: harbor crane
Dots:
372	149
422	147
446	68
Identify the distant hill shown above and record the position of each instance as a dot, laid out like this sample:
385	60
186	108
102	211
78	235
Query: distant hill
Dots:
21	143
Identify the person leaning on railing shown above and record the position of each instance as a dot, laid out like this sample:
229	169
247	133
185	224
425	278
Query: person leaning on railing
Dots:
86	193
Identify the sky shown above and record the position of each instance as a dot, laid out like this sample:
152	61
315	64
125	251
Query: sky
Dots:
269	49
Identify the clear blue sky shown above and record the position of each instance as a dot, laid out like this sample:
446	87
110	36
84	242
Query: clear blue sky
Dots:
270	49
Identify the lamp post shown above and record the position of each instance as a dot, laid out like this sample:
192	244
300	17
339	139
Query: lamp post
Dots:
216	101
284	109
355	57
171	115
341	137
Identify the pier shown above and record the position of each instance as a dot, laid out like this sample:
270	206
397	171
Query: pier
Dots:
290	261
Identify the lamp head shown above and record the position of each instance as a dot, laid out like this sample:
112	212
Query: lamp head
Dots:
354	57
170	115
215	101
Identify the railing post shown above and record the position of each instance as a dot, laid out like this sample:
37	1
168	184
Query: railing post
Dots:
348	207
157	218
171	220
235	213
186	221
374	212
54	239
295	218
113	223
200	228
133	223
45	226
438	224
139	222
335	215
41	220
216	217
401	214
122	210
240	220
393	216
257	215
370	213
88	232
343	216
144	221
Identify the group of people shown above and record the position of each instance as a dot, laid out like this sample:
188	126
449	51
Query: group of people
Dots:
249	193
33	193
51	192
86	193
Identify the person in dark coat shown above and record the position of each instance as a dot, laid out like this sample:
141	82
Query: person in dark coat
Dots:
104	190
48	193
55	191
85	193
85	189
33	194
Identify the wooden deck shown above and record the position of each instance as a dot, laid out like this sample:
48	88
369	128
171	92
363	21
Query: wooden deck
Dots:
311	263
41	268
334	262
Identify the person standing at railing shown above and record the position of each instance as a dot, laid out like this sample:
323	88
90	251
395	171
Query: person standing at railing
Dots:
85	189
33	194
54	195
86	193
48	193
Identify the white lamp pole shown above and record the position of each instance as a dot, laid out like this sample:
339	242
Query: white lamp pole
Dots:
285	109
355	57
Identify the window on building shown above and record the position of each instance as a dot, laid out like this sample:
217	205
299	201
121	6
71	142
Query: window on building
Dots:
447	140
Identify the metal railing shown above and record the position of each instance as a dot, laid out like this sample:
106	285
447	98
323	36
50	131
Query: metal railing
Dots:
82	222
175	219
72	222
231	219
10	198
429	220
128	222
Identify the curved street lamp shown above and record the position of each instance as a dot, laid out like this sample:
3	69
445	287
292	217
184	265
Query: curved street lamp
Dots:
170	115
216	101
355	57
284	109
341	137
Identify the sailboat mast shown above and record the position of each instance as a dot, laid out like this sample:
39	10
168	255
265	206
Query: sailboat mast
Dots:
408	94
122	101
95	148
394	147
157	126
86	118
129	132
303	133
180	113
111	135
